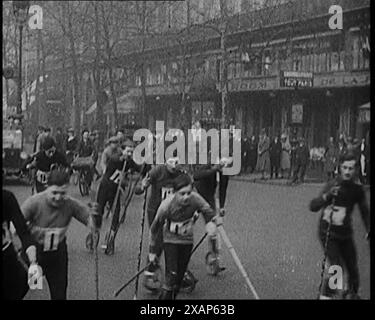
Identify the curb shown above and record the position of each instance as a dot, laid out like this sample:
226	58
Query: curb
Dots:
284	183
277	183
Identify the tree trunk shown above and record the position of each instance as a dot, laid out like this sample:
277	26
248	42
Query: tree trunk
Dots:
143	69
113	97
223	66
97	80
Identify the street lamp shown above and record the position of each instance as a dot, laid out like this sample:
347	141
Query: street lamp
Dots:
20	11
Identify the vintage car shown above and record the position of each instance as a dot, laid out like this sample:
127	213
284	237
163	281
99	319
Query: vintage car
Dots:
13	155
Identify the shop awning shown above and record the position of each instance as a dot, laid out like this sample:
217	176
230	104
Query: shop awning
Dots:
203	84
125	104
364	106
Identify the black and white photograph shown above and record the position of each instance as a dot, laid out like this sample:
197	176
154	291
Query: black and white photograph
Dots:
186	150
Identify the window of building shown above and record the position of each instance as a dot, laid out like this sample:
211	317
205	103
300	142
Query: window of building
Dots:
360	50
148	75
163	71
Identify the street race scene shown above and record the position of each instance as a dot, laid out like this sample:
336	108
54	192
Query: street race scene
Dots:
186	150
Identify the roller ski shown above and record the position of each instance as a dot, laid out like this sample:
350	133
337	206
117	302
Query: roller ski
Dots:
188	282
212	264
152	278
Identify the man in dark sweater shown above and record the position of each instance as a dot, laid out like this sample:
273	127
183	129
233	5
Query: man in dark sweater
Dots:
336	203
14	275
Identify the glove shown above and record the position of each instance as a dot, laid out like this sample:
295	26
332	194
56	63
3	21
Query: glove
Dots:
31	254
211	228
145	183
152	258
138	190
333	192
35	275
222	212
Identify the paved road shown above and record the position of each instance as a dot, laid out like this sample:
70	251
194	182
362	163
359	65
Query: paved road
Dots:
270	227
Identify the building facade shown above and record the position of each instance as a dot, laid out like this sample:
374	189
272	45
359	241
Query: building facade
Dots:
296	76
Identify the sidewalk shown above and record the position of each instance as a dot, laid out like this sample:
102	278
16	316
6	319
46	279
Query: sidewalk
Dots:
256	178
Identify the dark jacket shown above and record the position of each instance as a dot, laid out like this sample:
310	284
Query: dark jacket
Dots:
275	152
302	155
85	149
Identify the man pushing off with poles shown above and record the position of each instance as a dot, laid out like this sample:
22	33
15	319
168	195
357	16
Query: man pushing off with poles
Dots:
49	214
172	229
336	202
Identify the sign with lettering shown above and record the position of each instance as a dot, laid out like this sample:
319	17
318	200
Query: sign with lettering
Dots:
253	84
297	113
342	80
296	79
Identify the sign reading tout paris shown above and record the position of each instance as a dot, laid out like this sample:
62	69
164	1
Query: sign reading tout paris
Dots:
296	79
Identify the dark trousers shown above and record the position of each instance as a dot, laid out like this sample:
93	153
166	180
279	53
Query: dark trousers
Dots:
40	187
55	267
14	284
107	193
342	252
299	172
275	167
177	258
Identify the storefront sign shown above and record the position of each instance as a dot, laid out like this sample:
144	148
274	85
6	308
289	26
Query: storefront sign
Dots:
364	116
252	84
297	113
342	80
296	79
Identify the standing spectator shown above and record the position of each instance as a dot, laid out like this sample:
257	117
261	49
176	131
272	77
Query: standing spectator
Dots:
120	136
330	159
302	159
363	161
94	136
71	145
285	156
60	140
253	153
275	156
294	145
263	162
38	137
245	152
86	149
341	151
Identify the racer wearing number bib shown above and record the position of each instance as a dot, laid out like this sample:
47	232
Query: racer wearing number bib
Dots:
49	214
43	162
341	248
109	183
175	220
161	179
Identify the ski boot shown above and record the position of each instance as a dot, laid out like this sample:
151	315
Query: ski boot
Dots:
152	279
212	264
109	247
188	282
90	239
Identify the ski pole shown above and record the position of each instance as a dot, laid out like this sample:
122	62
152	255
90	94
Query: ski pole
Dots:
95	237
198	244
325	251
236	259
131	280
140	244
